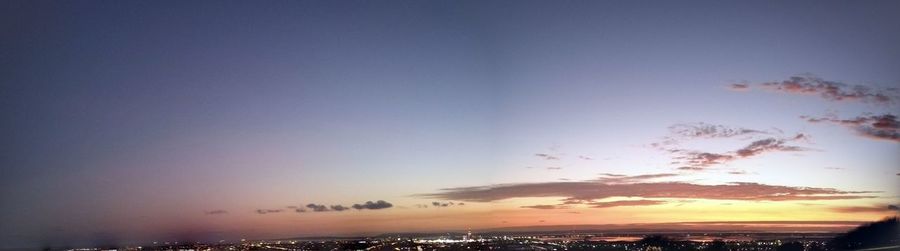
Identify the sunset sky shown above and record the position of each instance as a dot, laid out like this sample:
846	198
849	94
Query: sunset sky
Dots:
138	121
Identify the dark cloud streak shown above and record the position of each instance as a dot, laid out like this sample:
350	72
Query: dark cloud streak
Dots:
268	211
739	87
373	205
625	203
339	208
215	212
546	207
317	207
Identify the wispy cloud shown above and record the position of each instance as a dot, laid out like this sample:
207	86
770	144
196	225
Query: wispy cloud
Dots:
215	212
767	145
547	156
589	191
829	90
704	130
880	127
696	160
739	87
701	160
268	211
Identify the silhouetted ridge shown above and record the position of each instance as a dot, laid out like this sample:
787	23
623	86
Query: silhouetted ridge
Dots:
884	233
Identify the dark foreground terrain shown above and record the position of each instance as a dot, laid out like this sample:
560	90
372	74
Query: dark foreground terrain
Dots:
881	235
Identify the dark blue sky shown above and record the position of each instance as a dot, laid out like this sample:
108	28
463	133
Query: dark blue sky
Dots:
126	120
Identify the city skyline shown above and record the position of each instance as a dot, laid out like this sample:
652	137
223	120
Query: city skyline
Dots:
140	121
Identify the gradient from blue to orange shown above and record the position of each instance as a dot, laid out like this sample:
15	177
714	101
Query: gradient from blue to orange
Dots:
126	121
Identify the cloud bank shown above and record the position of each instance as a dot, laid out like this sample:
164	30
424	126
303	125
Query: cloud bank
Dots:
609	178
590	191
868	209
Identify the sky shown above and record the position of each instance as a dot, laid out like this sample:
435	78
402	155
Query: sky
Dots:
139	121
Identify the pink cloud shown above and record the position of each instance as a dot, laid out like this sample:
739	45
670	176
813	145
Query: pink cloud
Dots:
832	90
879	127
588	191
